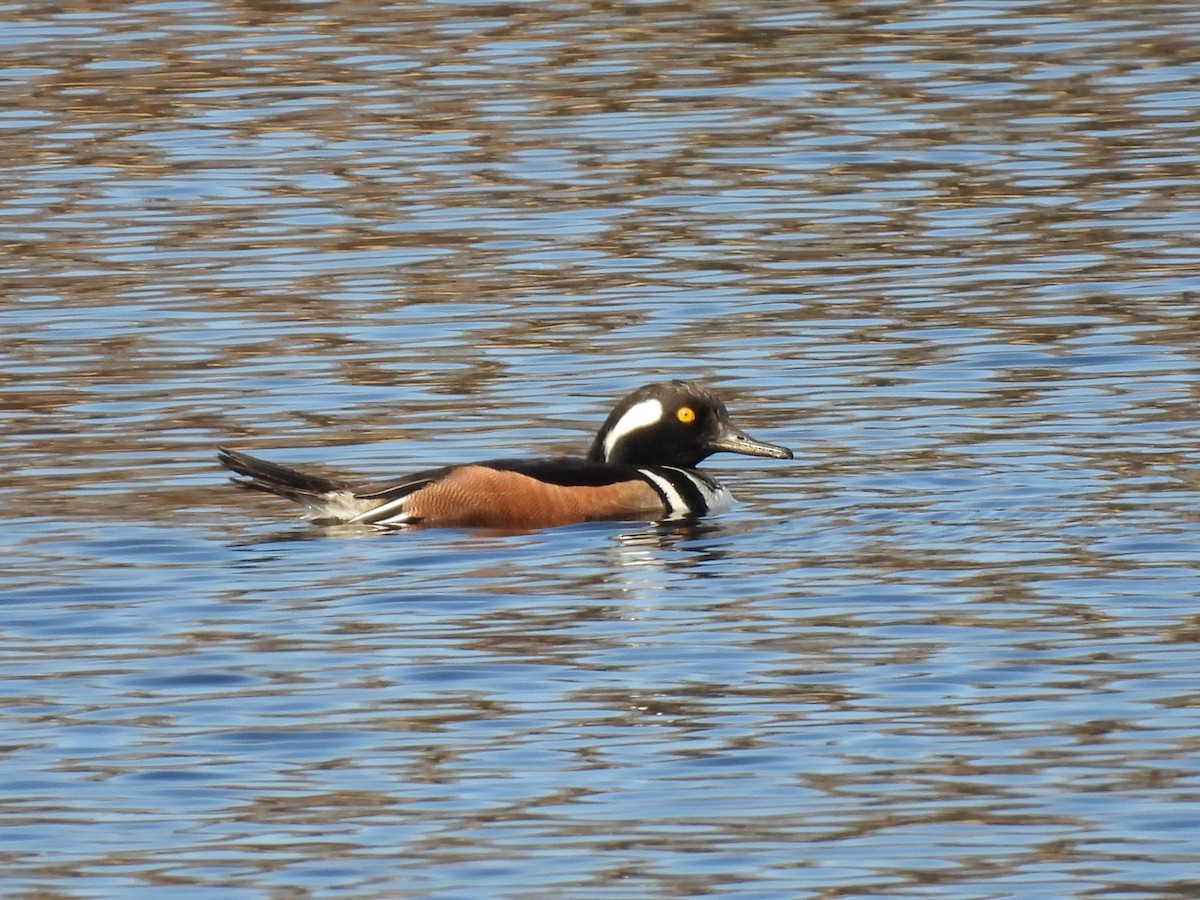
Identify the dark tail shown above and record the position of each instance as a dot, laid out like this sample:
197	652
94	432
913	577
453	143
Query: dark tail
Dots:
273	478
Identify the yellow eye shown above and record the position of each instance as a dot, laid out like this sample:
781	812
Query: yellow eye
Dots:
686	415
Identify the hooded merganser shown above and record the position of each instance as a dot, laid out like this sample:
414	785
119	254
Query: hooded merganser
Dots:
642	465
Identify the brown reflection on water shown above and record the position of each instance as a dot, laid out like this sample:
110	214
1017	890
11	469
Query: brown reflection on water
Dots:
947	251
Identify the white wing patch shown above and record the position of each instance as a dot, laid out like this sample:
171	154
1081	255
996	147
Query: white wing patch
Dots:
391	513
648	412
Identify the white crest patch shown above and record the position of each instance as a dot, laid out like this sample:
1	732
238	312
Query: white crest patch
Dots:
637	416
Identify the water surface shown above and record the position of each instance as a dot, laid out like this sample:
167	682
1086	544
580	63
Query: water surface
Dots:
947	252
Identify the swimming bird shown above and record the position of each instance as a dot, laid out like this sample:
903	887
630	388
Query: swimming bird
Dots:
642	465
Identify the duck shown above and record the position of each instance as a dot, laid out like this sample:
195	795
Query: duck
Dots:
642	465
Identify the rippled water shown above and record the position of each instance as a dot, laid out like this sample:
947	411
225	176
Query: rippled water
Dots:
947	251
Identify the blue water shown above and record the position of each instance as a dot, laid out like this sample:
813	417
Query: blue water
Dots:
946	252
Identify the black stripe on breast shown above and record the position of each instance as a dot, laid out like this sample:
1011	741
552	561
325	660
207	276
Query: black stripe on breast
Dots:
667	502
687	490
